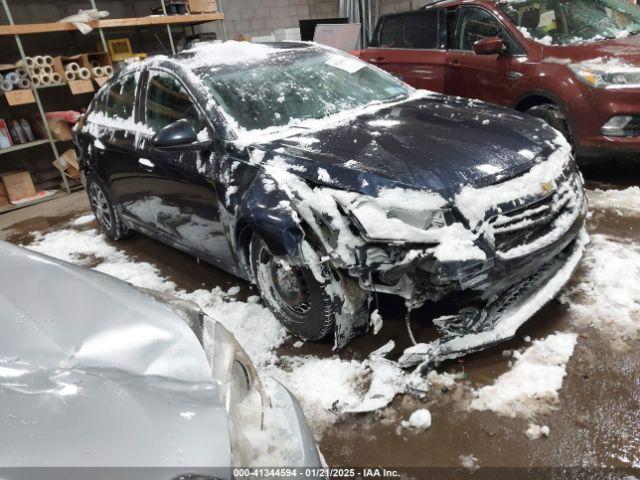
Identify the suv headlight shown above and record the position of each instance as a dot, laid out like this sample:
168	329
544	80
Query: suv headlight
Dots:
240	388
607	75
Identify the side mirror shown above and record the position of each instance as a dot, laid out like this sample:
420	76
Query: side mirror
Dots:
489	46
179	135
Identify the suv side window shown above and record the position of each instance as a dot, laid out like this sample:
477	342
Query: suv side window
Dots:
167	101
415	30
120	98
474	24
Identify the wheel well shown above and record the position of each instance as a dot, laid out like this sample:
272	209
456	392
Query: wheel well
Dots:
244	233
533	101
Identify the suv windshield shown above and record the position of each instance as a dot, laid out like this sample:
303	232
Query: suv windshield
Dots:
565	22
297	85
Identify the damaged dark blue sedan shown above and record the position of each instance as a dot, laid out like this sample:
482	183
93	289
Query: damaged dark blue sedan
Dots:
324	181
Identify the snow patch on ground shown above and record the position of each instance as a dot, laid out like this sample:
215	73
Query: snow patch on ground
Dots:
608	297
535	432
469	462
83	220
531	387
622	202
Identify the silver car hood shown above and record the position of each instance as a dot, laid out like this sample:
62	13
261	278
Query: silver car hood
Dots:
94	373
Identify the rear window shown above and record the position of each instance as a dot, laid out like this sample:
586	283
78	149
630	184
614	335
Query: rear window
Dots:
120	98
418	30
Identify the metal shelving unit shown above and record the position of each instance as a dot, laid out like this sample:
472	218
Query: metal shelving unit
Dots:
18	30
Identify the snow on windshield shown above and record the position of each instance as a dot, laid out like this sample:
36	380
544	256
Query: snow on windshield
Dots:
554	22
295	86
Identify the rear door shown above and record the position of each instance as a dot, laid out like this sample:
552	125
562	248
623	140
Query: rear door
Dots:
117	149
485	77
411	46
185	204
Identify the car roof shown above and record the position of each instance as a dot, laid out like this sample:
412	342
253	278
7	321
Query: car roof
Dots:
94	372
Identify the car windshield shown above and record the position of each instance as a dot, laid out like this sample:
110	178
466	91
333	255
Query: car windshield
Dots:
297	85
563	22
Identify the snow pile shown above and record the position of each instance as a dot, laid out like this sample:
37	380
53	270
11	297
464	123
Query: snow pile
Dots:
532	385
83	220
419	420
535	432
376	321
608	298
226	53
622	201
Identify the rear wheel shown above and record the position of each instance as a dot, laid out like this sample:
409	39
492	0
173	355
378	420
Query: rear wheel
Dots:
300	302
108	216
552	115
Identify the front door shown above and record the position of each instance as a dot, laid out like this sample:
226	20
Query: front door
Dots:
485	77
411	46
186	205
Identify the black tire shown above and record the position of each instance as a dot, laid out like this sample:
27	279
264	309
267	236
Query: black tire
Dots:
298	300
106	213
552	115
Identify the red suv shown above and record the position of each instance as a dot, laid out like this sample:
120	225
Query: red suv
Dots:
573	63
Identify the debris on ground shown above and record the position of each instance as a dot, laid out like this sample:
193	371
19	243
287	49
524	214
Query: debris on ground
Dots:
469	462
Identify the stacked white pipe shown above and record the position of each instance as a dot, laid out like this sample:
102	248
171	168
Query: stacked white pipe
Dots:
37	70
17	79
99	71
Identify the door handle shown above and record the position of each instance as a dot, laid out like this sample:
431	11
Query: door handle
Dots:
146	164
379	61
455	63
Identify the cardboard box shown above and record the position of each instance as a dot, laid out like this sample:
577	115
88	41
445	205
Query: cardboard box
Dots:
202	6
78	87
4	196
19	185
68	164
60	130
20	97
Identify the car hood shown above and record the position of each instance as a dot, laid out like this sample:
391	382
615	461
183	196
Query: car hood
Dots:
95	373
438	143
626	50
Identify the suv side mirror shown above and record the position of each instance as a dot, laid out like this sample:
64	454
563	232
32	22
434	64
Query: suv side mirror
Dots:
489	46
179	135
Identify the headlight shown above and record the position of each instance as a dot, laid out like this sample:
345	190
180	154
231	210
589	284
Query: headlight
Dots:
240	388
396	223
607	75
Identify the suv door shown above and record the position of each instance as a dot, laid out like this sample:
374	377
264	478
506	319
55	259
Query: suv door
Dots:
185	203
486	77
117	152
411	46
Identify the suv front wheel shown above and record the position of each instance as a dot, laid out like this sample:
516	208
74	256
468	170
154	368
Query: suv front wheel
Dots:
552	115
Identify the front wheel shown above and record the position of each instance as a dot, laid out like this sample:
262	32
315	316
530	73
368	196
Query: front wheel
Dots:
552	115
303	304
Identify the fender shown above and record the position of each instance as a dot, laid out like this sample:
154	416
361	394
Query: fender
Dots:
269	214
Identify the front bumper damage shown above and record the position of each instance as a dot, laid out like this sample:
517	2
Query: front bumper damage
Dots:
501	317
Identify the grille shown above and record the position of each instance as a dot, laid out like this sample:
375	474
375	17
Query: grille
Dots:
521	226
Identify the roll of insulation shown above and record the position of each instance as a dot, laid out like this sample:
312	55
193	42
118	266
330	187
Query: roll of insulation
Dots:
39	60
6	85
108	70
45	79
13	77
95	63
84	74
36	81
25	83
35	71
70	76
97	72
73	67
28	63
22	72
47	69
56	78
48	60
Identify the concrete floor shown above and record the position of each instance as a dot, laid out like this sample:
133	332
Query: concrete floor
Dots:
596	426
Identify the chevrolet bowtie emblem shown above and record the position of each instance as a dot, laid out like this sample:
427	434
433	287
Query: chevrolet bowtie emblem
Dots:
546	186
